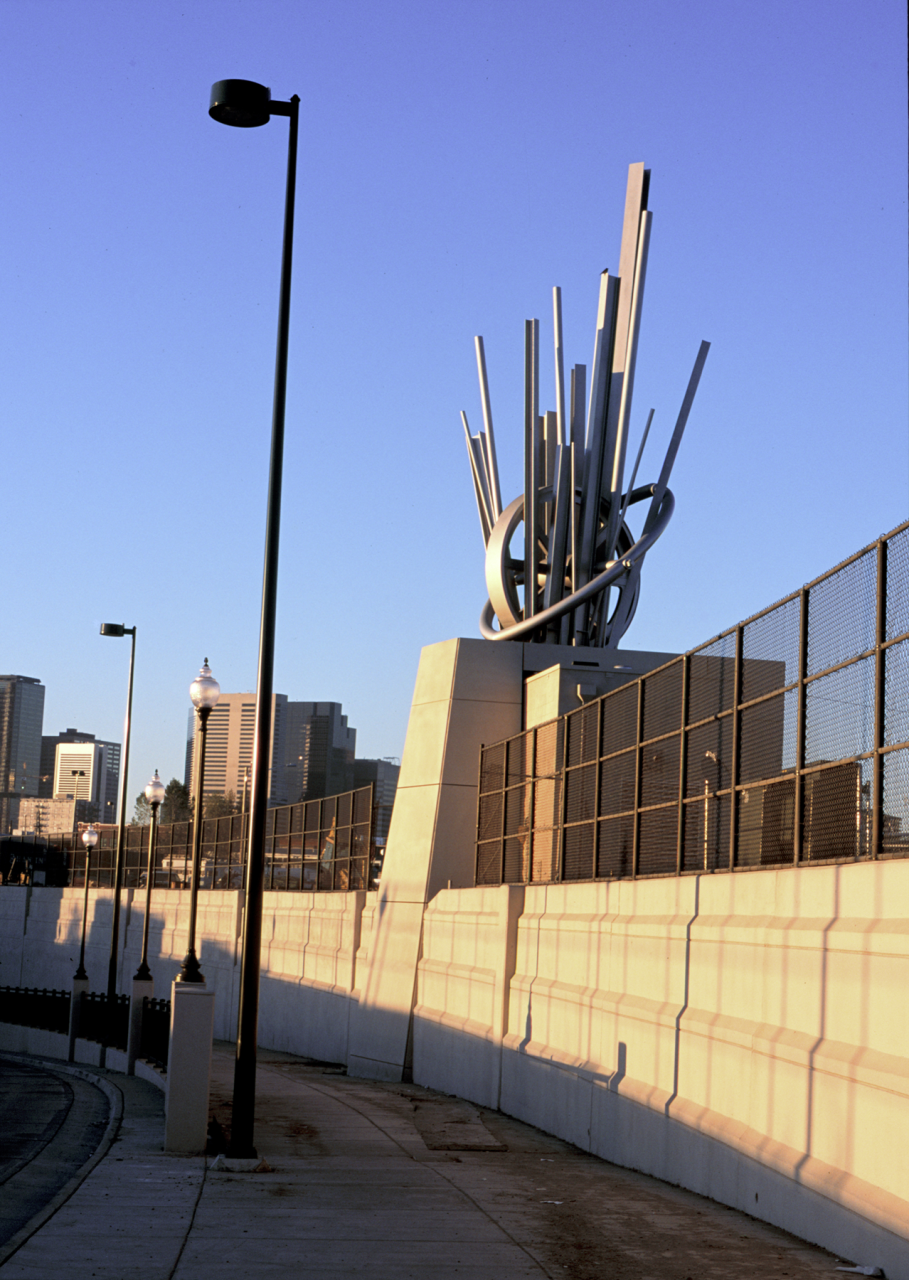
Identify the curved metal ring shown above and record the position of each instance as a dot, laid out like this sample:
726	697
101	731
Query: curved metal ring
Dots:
499	578
612	572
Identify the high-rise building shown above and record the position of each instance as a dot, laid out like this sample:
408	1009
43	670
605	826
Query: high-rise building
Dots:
320	751
312	749
101	769
229	747
21	721
383	774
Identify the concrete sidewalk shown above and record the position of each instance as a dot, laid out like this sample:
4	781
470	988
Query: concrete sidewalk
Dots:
386	1181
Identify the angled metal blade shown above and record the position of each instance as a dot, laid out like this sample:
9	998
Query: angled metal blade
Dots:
634	473
558	541
495	491
559	362
627	389
478	482
596	416
531	463
663	482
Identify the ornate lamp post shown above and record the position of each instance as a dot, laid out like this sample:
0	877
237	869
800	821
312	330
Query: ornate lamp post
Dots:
117	629
245	105
154	794
204	692
89	839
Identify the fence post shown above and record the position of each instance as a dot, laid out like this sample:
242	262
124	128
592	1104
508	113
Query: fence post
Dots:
142	987
880	638
192	1019
75	1009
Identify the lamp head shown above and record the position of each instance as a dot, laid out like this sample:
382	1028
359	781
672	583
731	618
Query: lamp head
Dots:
241	103
90	837
204	690
113	629
154	792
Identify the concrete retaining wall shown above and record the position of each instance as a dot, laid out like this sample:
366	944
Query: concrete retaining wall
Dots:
310	946
743	1035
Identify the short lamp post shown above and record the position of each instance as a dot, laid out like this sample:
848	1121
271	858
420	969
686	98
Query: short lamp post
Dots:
117	629
204	692
154	794
90	840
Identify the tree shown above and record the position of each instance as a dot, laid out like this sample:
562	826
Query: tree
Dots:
217	806
142	811
176	806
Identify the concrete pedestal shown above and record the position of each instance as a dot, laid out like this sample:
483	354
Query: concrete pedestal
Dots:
75	1008
142	990
192	1017
468	693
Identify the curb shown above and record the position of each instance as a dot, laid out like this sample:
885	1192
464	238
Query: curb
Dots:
115	1116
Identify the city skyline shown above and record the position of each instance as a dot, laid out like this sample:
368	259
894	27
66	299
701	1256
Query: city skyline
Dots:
451	173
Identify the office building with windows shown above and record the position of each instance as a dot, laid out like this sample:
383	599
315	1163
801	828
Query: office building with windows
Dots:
44	815
229	748
21	721
383	774
320	751
77	764
312	750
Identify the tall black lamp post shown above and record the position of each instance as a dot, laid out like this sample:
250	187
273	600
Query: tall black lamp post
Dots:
245	104
154	794
89	839
204	692
117	629
76	775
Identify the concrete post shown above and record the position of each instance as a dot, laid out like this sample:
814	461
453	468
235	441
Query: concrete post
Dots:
192	1016
75	1008
468	692
141	989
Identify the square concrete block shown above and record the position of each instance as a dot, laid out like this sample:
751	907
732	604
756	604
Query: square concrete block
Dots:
424	748
409	853
435	674
542	693
489	671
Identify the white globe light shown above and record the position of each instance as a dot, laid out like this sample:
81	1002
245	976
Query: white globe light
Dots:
90	837
154	792
204	690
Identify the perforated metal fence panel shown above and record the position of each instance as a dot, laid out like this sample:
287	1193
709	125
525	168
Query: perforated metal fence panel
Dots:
784	741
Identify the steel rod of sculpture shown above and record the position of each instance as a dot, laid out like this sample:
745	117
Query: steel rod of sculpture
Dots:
578	548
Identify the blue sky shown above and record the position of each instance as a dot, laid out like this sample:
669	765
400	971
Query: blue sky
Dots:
456	162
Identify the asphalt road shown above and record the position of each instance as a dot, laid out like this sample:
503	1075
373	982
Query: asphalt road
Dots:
50	1126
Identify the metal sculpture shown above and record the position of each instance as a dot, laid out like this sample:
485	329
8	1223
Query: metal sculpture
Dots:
578	548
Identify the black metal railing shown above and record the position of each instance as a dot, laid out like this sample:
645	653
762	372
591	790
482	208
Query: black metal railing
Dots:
35	1007
783	741
104	1024
333	844
154	1041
